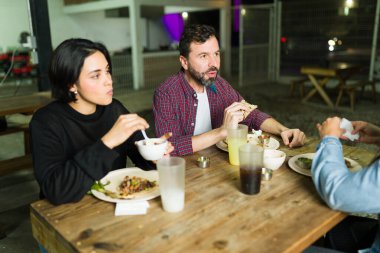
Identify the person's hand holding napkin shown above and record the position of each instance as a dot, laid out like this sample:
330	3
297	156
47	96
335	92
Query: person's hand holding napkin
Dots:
338	127
347	126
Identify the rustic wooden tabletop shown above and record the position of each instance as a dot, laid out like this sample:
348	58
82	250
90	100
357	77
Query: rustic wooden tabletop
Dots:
286	216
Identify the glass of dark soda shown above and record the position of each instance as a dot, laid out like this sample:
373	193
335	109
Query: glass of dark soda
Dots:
251	164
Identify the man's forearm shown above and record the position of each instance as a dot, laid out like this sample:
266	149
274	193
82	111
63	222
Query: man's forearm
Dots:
208	139
272	126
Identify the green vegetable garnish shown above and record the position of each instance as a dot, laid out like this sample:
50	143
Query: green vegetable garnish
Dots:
99	186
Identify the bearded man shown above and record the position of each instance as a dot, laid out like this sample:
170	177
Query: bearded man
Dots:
198	106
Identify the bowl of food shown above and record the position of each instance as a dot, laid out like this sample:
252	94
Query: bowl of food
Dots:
273	159
152	149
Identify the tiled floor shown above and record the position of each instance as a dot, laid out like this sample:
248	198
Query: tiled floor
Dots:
18	190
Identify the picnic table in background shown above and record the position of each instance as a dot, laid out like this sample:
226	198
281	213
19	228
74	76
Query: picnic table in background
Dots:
320	76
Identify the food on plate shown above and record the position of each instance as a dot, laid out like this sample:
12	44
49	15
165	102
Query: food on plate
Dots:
304	163
260	138
135	184
263	140
251	107
126	188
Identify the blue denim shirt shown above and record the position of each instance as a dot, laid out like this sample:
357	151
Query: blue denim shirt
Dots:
344	190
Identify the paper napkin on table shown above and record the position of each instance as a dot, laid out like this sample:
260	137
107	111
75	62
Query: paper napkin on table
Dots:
131	207
257	132
347	125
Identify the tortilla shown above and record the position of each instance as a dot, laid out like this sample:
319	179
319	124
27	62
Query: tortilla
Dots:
251	107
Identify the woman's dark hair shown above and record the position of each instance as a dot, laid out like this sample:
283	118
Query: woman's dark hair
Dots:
194	33
67	62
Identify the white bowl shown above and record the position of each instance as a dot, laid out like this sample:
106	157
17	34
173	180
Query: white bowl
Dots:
152	150
273	159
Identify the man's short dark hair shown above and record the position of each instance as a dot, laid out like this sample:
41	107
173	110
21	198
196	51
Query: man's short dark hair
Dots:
67	62
194	33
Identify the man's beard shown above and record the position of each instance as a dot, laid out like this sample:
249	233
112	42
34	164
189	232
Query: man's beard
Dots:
200	77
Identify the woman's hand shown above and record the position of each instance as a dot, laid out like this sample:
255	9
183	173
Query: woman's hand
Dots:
170	147
330	127
123	128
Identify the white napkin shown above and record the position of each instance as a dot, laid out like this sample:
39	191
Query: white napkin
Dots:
132	207
257	133
347	125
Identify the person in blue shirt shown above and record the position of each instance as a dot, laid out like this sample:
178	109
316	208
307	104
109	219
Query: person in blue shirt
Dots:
353	192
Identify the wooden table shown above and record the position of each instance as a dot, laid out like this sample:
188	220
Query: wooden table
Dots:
286	216
27	104
319	77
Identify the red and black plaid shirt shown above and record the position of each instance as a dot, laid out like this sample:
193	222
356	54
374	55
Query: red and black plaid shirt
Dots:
175	109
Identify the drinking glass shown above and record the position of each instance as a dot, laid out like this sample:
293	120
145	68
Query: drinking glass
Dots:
251	164
235	138
171	177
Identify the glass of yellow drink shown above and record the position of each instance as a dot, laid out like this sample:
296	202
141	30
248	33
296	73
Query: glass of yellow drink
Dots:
235	138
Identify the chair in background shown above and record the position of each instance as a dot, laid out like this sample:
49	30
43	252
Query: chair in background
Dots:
351	90
298	83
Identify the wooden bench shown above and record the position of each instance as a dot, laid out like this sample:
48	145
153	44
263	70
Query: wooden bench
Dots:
298	83
17	163
27	105
351	89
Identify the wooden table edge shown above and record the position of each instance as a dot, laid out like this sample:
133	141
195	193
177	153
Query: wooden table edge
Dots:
312	237
45	235
318	71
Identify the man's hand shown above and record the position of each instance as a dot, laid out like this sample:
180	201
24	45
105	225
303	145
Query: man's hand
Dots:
330	127
234	114
293	137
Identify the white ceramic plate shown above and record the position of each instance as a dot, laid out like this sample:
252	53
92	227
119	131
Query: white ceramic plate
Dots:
272	144
116	177
222	145
355	166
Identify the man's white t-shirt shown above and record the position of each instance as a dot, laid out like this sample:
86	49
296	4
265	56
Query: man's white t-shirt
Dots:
203	118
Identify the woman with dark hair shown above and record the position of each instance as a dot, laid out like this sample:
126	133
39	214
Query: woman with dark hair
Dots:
84	133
